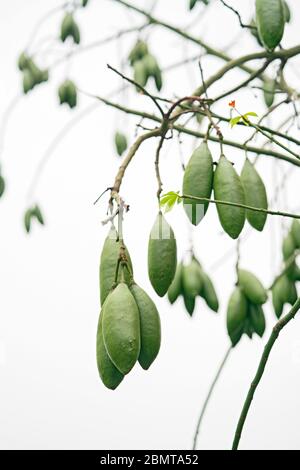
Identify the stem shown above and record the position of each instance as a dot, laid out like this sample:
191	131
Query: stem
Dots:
210	391
260	370
184	130
157	171
243	206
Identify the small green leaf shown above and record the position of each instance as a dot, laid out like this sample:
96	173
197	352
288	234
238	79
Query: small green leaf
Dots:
234	121
169	199
251	113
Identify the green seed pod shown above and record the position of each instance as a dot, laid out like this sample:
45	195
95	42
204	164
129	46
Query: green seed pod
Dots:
285	290
84	3
175	288
37	74
189	302
27	220
121	328
288	247
228	187
270	21
150	64
293	272
108	264
2	185
248	328
149	326
110	375
277	300
252	287
36	212
255	195
162	255
269	86
69	28
208	293
120	143
158	79
286	11
23	61
257	318
140	73
28	81
198	182
236	315
293	295
191	279
192	4
67	93
138	52
295	231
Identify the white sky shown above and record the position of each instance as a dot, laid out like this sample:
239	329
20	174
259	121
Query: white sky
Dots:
50	394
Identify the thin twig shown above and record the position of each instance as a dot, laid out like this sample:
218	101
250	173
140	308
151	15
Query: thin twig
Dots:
210	391
243	25
243	206
133	82
260	370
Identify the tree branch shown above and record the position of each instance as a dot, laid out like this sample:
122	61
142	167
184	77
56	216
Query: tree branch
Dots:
184	130
244	206
210	391
261	367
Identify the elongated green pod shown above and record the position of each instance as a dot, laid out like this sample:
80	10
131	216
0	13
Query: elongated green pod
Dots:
269	86
252	287
23	61
228	187
192	3
208	293
2	185
277	301
162	255
175	288
295	231
288	246
189	302
110	375
191	279
151	64
149	326
138	52
236	315
69	28
285	290
255	195
108	264
158	79
121	328
270	20
140	73
198	182
257	318
120	143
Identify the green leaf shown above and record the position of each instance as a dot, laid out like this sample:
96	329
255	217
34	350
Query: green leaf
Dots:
234	121
169	199
251	113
